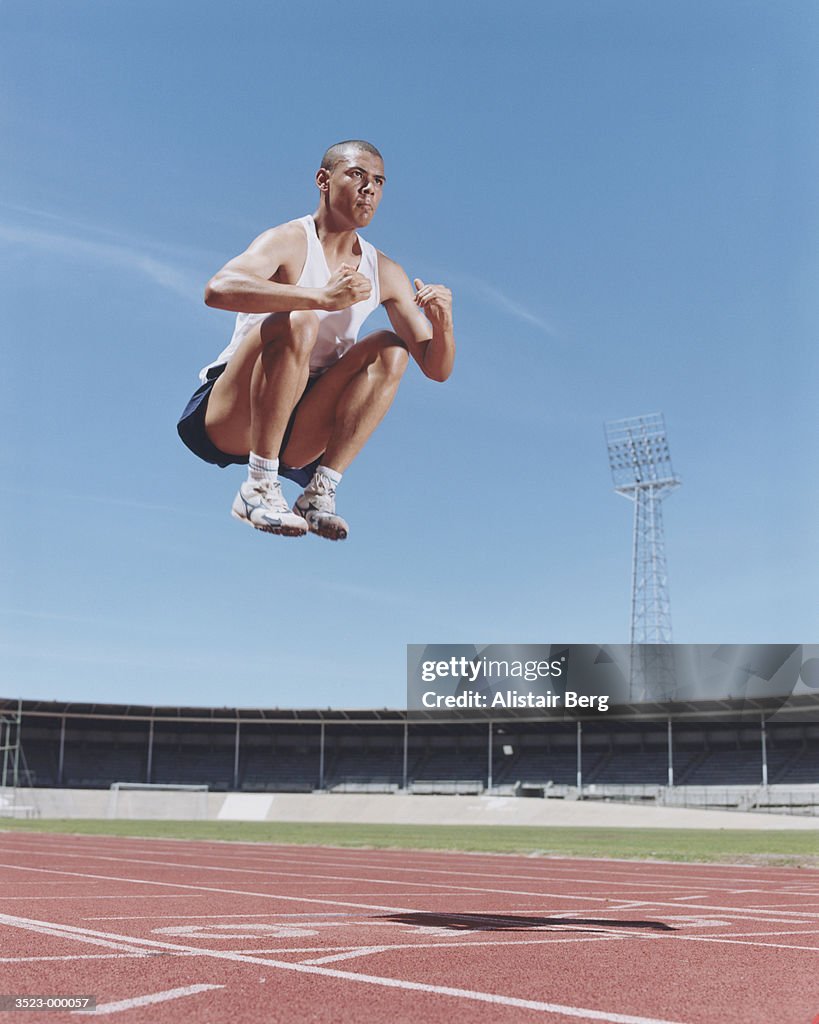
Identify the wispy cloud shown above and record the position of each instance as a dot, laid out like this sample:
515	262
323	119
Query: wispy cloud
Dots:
171	250
493	296
75	244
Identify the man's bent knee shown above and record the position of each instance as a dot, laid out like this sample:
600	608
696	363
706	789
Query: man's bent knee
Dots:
394	360
391	352
296	331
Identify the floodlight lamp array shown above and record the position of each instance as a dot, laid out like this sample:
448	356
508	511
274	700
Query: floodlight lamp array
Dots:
638	451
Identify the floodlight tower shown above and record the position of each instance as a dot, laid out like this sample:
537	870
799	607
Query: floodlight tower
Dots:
10	754
642	472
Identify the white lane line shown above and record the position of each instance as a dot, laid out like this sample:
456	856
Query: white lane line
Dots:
742	913
125	896
349	955
467	914
659	869
613	870
551	870
780	907
366	950
783	906
448	887
792	931
282	951
76	956
584	1013
568	875
200	917
215	888
274	873
738	912
154	997
124	946
241	953
414	892
286	950
738	942
272	869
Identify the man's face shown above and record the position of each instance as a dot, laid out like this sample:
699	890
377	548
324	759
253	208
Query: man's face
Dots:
354	186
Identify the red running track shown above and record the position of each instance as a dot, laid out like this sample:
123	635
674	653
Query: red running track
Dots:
165	930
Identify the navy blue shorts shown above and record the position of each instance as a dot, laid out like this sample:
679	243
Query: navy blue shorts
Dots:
191	428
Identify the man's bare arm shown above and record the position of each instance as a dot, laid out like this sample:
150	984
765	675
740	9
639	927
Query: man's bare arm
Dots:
436	354
247	283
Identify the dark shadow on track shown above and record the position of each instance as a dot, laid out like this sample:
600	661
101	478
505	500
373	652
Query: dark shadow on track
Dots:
515	922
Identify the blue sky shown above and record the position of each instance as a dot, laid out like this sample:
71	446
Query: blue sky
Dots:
623	198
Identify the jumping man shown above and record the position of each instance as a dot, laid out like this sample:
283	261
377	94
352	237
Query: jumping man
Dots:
295	392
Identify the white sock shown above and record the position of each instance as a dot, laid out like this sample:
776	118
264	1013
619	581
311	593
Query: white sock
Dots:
331	473
262	469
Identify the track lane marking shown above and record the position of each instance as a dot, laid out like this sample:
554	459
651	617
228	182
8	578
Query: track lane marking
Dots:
282	951
76	956
738	912
185	917
147	1000
349	955
453	889
366	979
124	944
498	943
124	896
504	912
551	870
449	888
272	872
555	862
792	931
737	942
211	888
71	931
511	875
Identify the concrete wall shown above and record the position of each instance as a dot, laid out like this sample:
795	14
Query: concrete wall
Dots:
399	809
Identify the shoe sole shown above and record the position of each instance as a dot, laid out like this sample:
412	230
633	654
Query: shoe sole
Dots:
279	531
328	531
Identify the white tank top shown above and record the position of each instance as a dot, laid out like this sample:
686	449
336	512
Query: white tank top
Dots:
338	330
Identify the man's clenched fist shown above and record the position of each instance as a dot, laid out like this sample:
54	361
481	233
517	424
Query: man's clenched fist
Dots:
345	287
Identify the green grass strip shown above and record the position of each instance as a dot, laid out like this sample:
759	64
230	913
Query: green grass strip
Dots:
774	847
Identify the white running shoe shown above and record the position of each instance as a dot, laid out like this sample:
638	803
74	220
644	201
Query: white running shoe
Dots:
260	503
318	506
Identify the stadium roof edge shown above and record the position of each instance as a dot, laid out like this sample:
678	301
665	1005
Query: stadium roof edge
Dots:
800	706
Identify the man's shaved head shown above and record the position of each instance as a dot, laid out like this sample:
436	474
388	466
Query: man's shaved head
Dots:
339	150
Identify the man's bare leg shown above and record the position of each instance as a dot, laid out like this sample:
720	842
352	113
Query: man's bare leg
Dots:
363	405
252	401
336	419
249	409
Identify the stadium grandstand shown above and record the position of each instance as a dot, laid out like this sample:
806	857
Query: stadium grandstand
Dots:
746	754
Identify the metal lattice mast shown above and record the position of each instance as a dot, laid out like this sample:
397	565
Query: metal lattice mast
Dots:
14	772
642	472
10	748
